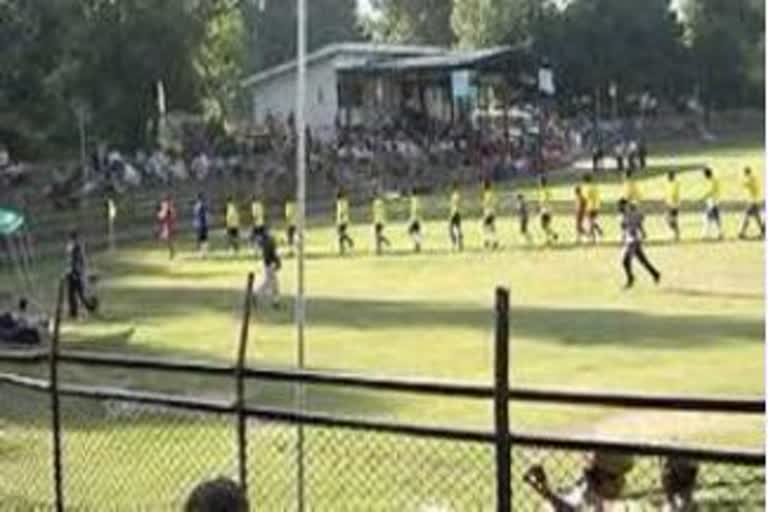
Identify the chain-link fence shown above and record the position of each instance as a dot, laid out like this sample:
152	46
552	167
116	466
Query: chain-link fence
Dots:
122	451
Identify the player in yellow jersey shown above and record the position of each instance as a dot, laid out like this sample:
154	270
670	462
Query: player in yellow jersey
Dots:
379	222
754	209
454	223
414	223
489	216
342	222
712	200
592	192
232	219
258	228
545	210
290	224
631	189
673	204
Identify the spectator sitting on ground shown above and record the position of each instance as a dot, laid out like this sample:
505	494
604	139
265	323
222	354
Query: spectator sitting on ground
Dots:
20	327
220	495
601	484
678	479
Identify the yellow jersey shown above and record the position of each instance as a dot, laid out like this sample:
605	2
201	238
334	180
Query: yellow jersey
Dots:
753	188
713	193
593	198
631	191
257	213
233	216
673	194
342	211
379	211
455	203
415	208
489	203
545	198
290	213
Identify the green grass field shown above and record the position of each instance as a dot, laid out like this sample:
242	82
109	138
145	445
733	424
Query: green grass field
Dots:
431	315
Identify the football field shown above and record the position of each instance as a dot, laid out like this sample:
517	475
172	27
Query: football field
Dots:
700	331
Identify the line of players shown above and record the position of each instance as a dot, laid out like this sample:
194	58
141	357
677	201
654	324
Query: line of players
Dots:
587	200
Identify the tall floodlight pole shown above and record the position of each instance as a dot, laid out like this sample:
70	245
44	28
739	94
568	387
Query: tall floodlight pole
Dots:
301	192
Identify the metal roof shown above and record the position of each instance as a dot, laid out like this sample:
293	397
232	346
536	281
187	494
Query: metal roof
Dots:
331	51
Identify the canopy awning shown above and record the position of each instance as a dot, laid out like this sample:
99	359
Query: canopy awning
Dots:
10	222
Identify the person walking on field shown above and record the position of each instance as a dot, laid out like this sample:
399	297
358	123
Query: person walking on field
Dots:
545	211
489	216
200	221
414	224
233	225
379	223
673	205
633	236
754	209
523	215
75	277
166	217
454	222
712	202
270	286
290	225
581	213
258	223
342	222
593	208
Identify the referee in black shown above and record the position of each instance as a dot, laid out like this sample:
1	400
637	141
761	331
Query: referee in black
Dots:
634	235
75	276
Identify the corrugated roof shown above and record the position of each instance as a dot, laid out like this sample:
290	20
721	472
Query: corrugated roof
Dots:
332	50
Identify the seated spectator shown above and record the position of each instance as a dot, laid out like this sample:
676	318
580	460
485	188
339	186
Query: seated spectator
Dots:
601	484
220	495
20	327
678	479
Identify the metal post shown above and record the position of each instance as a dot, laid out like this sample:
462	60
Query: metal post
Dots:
301	170
242	419
53	360
501	404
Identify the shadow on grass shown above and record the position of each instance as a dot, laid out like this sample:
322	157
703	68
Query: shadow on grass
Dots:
568	326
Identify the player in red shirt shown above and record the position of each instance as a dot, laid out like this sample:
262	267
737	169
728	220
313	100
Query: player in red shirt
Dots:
166	217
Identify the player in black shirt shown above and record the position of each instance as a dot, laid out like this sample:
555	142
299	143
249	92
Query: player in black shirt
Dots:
75	277
270	286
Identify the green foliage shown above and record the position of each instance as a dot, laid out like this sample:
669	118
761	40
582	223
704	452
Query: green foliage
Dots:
481	23
405	21
728	43
273	30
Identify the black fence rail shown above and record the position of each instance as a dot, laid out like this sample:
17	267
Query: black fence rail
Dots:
75	447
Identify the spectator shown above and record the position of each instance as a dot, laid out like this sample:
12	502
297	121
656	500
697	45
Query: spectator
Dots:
678	479
220	495
602	482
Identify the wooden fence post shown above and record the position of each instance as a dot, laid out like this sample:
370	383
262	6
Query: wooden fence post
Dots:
53	360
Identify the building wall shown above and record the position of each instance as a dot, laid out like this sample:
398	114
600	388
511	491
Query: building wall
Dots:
278	96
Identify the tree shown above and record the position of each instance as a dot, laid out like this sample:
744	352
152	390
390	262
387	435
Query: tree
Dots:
481	23
727	41
272	31
637	45
412	22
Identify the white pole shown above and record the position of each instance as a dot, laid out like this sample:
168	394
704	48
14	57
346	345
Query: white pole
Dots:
301	171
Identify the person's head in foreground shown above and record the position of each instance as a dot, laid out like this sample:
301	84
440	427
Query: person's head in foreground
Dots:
220	495
606	473
678	479
622	205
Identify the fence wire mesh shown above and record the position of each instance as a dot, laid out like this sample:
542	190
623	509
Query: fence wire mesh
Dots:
140	457
118	455
25	449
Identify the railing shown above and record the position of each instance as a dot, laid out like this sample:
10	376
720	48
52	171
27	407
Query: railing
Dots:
113	448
